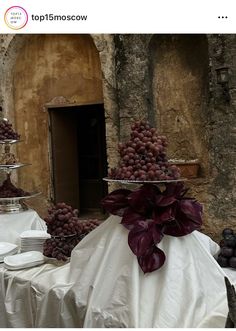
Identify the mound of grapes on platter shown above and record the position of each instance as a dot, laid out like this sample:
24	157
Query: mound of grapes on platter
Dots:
143	157
6	131
66	230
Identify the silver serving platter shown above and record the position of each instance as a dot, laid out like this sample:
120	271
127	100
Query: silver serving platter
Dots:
13	166
13	205
68	236
9	141
127	181
15	199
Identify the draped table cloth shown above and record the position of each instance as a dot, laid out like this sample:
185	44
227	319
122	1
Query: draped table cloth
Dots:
103	286
13	224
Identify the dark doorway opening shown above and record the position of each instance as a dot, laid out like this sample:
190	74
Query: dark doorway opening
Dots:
78	151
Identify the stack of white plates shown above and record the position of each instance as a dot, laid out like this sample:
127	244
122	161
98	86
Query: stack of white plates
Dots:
33	240
7	249
23	260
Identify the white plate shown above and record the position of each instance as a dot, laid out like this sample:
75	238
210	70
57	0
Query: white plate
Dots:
2	257
29	265
24	260
6	248
37	234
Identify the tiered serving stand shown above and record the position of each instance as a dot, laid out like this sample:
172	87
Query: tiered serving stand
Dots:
13	204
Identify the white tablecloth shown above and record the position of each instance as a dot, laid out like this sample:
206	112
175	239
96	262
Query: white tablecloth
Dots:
103	286
12	224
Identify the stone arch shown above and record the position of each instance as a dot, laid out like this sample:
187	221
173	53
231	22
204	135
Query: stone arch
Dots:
179	66
14	45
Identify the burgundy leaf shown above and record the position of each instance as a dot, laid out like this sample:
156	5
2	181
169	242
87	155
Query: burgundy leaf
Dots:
130	218
153	259
140	238
175	189
181	226
192	209
116	202
163	201
161	215
142	200
157	234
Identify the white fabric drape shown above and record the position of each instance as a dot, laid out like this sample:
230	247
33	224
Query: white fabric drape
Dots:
103	286
12	225
188	291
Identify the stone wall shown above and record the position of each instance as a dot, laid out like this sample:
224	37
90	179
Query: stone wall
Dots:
221	133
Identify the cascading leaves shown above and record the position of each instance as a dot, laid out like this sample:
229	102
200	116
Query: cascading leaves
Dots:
149	213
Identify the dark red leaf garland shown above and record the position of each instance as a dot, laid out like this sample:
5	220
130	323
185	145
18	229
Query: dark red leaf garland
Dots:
149	214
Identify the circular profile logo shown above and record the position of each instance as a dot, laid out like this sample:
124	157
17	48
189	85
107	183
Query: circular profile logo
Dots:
16	17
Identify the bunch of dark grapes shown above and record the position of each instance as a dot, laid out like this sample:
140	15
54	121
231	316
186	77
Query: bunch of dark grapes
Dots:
227	255
62	220
8	190
60	248
66	230
7	132
88	226
143	157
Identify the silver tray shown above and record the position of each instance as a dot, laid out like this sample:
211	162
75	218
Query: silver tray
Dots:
14	204
15	199
13	166
9	141
127	181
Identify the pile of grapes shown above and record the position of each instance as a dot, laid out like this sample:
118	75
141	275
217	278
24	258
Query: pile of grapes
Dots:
66	230
143	157
227	256
62	220
60	248
7	132
8	190
88	226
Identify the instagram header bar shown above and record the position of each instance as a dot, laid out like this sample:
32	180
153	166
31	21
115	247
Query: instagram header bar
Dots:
123	16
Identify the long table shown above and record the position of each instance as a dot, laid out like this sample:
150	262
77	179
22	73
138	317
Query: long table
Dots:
103	286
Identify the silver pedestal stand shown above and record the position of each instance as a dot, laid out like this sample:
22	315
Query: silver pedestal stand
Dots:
12	204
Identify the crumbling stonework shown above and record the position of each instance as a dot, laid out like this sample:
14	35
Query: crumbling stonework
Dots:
221	131
132	76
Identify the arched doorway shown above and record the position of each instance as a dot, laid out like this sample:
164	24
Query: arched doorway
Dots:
56	72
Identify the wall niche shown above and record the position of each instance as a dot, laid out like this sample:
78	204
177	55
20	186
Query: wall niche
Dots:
179	66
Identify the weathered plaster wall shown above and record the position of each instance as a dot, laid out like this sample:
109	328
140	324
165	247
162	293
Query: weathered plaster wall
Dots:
47	67
179	65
